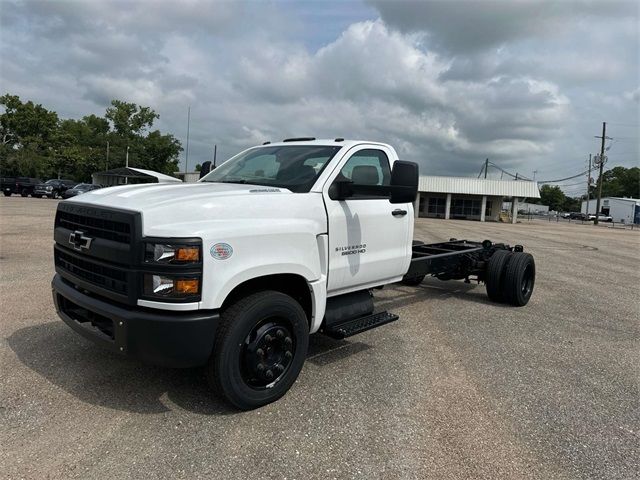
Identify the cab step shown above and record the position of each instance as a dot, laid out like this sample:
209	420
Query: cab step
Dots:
358	325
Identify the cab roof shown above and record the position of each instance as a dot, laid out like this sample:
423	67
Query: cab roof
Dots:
337	142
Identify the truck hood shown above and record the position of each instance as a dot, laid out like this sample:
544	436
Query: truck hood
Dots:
158	195
190	209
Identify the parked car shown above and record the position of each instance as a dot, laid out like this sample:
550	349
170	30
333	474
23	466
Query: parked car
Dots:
22	185
53	188
79	189
601	217
578	216
565	215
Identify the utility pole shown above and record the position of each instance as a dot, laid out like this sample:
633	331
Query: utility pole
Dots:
126	164
601	161
588	185
215	153
186	157
516	176
486	167
107	165
534	175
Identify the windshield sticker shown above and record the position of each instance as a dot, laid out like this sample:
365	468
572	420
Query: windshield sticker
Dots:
352	249
221	251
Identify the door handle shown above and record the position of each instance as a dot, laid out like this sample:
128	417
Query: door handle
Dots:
399	213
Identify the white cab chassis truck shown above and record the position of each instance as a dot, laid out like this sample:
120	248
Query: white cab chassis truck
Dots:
236	271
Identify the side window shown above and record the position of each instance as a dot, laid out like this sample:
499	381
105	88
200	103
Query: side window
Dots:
368	167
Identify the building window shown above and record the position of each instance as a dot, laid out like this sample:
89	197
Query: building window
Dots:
465	207
436	206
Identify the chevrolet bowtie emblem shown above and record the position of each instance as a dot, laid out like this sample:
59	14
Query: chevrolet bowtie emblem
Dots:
79	241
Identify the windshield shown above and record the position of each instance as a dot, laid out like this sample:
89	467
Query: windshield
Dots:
295	167
50	182
82	186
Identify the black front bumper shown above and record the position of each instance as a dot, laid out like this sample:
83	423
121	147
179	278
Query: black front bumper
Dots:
166	338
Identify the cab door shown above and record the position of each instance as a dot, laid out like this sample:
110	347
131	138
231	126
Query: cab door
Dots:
369	240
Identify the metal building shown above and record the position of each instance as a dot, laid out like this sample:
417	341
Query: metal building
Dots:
130	175
623	210
470	198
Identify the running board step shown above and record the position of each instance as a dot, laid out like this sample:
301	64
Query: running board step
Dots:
358	325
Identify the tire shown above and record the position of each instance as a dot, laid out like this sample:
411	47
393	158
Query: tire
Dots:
413	282
495	274
519	279
7	194
266	321
24	193
55	194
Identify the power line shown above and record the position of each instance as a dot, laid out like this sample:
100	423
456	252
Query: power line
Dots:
563	179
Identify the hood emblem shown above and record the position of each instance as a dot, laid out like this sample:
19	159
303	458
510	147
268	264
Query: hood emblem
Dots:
79	241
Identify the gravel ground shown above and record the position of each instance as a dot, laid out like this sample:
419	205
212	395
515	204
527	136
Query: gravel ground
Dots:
457	388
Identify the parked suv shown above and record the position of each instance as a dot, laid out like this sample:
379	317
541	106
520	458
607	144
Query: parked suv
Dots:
578	216
22	185
7	184
53	188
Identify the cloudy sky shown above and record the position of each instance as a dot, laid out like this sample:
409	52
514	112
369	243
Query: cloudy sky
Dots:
448	83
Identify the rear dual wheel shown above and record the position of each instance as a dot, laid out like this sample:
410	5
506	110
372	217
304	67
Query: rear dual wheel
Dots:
511	277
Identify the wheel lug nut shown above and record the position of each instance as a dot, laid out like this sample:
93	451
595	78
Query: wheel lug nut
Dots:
260	352
287	340
279	367
269	374
268	338
288	354
260	367
279	334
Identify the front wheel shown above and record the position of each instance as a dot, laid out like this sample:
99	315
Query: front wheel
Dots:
260	347
7	194
24	192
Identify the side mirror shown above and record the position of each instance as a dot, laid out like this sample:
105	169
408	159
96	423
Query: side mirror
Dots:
205	168
404	182
340	189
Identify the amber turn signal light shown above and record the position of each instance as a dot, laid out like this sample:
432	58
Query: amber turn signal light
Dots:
187	254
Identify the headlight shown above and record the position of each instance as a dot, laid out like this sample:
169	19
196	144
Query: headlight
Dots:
169	286
49	187
172	254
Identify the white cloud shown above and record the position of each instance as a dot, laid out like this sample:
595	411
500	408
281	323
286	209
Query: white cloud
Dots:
247	80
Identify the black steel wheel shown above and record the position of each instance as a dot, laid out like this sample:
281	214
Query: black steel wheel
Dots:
267	353
495	273
519	279
260	348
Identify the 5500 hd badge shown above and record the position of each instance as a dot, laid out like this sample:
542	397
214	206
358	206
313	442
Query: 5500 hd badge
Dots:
352	249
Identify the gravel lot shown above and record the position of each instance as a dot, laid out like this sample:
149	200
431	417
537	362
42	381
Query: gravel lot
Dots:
457	388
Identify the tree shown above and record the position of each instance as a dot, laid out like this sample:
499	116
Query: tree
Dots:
27	132
552	196
129	119
35	142
160	152
619	182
